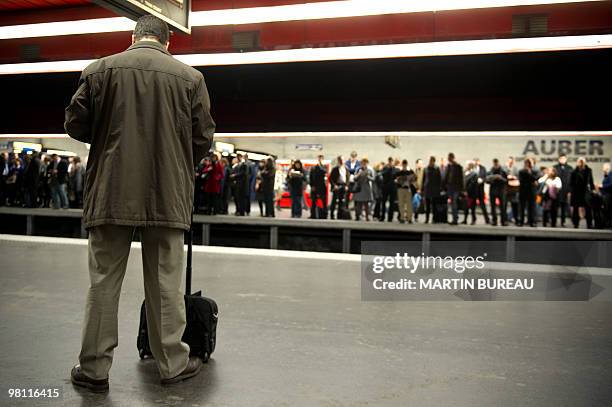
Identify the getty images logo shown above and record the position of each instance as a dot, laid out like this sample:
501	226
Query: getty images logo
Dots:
411	264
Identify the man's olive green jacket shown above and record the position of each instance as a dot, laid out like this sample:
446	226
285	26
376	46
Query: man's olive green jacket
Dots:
147	118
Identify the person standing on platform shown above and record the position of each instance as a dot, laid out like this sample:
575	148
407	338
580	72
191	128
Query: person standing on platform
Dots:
497	180
419	171
528	179
295	181
352	165
226	186
377	189
212	185
240	178
338	178
453	182
432	185
318	189
363	196
259	197
481	171
251	173
404	179
512	190
58	179
581	189
4	172
470	181
148	128
31	180
78	180
606	194
389	190
268	178
564	171
551	187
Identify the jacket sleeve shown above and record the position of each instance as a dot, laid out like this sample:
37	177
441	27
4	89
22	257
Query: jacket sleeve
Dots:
202	123
78	115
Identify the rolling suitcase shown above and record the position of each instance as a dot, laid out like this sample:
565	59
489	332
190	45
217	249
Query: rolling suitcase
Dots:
202	316
440	209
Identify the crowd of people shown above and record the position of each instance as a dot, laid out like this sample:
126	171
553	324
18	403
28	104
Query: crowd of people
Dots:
524	194
41	181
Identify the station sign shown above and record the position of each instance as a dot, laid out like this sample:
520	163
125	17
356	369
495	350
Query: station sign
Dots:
174	12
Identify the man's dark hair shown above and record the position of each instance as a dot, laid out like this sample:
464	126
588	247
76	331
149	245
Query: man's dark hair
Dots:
150	26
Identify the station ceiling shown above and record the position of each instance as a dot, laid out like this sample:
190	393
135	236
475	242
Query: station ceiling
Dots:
39	4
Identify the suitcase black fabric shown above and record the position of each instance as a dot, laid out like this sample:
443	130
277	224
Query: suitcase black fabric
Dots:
200	333
440	209
202	317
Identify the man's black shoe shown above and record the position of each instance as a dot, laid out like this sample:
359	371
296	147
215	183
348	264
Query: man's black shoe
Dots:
79	378
192	369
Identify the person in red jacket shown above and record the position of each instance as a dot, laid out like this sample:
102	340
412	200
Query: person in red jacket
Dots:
213	171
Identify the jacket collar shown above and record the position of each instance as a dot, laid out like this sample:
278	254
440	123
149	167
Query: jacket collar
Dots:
149	44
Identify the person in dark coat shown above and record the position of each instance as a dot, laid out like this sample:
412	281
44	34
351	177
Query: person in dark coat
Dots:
512	189
240	178
31	180
295	180
606	194
259	196
338	180
251	174
470	180
198	194
497	180
528	179
481	171
147	118
58	180
226	186
377	189
581	188
318	189
432	185
4	172
389	190
453	183
268	174
564	172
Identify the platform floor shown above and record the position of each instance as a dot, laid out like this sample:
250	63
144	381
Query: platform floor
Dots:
294	332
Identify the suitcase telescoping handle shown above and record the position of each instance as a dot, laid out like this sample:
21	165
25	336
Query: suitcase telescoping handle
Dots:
189	250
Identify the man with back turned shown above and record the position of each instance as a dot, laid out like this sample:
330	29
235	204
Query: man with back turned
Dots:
147	118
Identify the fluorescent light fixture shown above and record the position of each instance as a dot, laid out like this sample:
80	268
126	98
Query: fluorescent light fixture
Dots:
349	134
61	152
52	29
343	9
252	15
254	156
33	136
428	49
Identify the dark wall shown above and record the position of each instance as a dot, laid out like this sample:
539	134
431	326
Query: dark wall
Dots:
532	91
